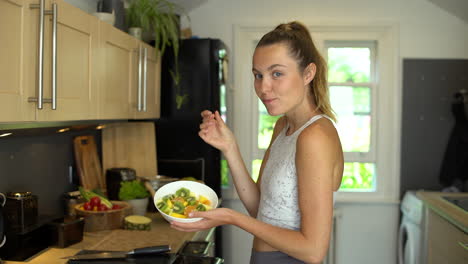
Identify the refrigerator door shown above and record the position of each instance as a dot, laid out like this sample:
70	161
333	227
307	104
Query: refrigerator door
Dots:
200	82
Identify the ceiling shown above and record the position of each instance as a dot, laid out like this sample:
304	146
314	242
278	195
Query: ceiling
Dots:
458	8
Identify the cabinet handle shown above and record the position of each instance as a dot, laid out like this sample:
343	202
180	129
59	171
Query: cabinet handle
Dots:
40	78
40	89
139	92
145	58
54	56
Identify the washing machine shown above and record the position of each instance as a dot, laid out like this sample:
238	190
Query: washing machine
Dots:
412	241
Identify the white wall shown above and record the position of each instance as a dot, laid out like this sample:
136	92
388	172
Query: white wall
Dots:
367	232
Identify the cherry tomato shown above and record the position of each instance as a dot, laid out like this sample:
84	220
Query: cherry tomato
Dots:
95	201
115	206
102	207
95	208
87	206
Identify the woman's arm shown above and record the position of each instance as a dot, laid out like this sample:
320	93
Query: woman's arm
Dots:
316	156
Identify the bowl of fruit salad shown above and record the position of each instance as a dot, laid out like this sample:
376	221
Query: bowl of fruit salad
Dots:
177	199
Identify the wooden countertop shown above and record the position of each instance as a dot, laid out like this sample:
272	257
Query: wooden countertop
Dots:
444	208
161	234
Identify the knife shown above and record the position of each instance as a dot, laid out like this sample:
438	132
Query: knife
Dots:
121	254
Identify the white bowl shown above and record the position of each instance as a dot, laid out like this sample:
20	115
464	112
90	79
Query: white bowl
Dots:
195	187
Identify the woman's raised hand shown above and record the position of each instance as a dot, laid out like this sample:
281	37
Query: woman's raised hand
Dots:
215	132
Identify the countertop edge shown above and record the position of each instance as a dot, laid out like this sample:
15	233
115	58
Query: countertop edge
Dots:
445	209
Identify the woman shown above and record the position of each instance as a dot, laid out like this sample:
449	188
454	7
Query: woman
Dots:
291	205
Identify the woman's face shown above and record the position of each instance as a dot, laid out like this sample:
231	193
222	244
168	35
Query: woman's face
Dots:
278	82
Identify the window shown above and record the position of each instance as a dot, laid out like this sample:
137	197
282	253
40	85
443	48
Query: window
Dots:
351	80
364	92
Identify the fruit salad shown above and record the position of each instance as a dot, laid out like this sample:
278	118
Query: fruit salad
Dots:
182	202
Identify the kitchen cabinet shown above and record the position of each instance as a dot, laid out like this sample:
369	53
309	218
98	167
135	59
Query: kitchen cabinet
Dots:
445	241
71	64
145	97
93	65
129	81
118	53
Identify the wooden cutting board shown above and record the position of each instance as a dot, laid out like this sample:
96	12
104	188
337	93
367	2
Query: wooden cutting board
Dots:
130	145
88	164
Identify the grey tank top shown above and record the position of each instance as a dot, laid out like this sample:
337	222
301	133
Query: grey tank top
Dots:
279	204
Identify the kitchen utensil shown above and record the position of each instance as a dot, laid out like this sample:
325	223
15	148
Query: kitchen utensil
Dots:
21	209
88	164
70	200
123	254
130	145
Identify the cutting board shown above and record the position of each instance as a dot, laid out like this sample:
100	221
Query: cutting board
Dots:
88	164
130	145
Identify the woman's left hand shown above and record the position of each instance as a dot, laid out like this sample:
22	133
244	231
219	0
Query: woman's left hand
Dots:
211	218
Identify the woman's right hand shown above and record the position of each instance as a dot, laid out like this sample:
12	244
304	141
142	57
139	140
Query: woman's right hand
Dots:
215	132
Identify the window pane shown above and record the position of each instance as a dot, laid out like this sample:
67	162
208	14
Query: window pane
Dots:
352	106
224	174
349	64
266	124
358	177
256	164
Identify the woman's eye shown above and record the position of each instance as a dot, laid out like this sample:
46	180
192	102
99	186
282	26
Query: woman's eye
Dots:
257	76
277	74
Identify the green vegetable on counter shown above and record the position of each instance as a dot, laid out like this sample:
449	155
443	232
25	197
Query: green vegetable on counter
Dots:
130	190
87	195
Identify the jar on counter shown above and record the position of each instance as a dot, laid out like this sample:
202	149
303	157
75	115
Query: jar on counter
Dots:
70	199
21	209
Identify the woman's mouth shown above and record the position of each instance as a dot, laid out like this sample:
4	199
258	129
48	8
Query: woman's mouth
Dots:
268	101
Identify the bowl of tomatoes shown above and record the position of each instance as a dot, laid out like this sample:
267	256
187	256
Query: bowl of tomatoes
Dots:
101	214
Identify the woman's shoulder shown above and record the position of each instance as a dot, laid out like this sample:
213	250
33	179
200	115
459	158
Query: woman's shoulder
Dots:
322	130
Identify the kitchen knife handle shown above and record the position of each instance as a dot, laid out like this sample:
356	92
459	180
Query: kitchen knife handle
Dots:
150	250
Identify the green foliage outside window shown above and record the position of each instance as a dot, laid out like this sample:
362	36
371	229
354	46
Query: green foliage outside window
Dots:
358	177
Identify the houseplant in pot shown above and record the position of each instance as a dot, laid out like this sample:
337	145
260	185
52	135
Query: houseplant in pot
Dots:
135	193
160	20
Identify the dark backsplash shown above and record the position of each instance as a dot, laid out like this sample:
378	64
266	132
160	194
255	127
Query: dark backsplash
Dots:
40	163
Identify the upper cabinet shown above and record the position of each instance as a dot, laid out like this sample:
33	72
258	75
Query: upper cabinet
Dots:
67	65
48	65
117	59
130	76
14	17
145	97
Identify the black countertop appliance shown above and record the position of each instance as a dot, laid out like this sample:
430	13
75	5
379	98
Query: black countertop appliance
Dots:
202	65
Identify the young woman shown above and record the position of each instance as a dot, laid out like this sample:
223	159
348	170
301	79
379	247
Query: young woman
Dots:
291	205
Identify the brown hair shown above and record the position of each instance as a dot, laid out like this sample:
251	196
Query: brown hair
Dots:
301	47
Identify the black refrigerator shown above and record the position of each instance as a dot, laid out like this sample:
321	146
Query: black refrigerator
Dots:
202	67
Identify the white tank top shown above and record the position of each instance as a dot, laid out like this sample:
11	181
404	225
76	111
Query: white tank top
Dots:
279	203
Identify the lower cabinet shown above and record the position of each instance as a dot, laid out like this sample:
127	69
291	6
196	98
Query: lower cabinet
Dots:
445	241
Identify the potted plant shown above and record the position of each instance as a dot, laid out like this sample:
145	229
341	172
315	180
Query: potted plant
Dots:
158	17
135	193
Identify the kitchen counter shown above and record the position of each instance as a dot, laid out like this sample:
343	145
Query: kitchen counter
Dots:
161	233
452	213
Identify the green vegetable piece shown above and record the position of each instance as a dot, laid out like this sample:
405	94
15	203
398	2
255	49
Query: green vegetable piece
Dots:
178	208
183	192
201	208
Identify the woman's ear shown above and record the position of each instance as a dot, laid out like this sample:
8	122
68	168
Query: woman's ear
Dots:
309	73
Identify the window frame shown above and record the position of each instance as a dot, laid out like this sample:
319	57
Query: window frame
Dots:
386	101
